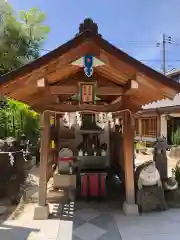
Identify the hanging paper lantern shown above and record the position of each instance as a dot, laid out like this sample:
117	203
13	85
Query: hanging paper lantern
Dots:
88	65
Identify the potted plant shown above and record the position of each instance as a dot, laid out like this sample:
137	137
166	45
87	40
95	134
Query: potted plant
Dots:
176	172
140	146
176	137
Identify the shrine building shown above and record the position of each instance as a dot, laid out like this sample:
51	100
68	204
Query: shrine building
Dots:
88	93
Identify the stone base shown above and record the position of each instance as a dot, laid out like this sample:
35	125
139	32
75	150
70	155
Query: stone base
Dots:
64	181
130	210
41	212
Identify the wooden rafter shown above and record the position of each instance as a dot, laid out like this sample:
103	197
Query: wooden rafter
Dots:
72	89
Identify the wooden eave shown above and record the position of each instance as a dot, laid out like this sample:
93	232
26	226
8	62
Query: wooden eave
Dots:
160	110
56	66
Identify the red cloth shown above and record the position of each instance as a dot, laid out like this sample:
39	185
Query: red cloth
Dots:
93	185
65	159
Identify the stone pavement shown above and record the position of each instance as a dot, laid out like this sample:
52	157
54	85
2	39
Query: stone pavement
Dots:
25	228
97	221
94	221
152	226
101	221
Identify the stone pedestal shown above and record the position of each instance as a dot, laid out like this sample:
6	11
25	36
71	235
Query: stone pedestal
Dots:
64	180
130	209
151	198
41	212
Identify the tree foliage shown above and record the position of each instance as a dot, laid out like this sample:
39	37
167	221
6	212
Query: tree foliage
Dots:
16	119
176	137
21	36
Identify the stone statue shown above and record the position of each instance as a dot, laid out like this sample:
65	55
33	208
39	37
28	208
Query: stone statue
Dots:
172	192
149	176
171	184
160	157
150	194
65	156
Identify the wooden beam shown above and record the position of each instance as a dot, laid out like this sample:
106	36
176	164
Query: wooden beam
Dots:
129	158
126	103
155	87
130	87
118	99
70	90
74	108
131	70
44	153
60	62
111	74
112	91
65	90
83	107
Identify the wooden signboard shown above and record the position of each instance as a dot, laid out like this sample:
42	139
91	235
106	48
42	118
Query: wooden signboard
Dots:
87	92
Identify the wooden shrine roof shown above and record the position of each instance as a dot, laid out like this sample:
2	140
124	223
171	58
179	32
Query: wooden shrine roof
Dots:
62	69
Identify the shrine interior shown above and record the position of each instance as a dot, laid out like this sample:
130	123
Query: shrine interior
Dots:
90	146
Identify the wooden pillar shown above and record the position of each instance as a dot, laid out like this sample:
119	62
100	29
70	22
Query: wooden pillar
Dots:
41	212
44	151
158	125
57	124
130	208
140	126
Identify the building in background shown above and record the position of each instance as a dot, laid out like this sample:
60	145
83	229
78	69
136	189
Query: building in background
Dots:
160	118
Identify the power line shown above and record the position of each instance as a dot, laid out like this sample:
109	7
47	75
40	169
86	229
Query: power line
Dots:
150	44
143	44
159	60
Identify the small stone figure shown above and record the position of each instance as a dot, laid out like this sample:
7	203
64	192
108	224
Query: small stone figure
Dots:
171	184
172	193
160	157
150	194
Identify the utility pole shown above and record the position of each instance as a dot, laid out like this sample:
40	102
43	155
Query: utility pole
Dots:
164	54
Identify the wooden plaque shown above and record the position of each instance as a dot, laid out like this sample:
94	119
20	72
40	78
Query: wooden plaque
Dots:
87	92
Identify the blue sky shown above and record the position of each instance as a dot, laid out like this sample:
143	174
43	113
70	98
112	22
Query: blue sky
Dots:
135	26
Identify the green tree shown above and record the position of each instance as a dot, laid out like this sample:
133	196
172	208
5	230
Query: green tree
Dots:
21	36
176	137
17	118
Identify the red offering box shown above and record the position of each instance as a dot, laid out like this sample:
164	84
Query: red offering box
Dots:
93	185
